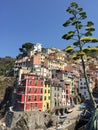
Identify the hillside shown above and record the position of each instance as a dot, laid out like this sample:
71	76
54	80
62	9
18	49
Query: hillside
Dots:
6	74
4	83
6	66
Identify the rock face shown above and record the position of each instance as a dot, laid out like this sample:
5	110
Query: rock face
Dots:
5	82
24	120
34	120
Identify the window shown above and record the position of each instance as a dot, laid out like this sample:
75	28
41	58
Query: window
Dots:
55	103
29	89
41	90
44	97
29	98
49	97
30	81
66	91
41	97
36	82
35	98
35	90
72	84
22	83
52	76
58	95
31	106
45	91
49	91
35	104
45	84
41	82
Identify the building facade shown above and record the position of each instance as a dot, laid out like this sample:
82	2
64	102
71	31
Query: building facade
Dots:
30	92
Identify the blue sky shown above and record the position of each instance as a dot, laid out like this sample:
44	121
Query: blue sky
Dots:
37	21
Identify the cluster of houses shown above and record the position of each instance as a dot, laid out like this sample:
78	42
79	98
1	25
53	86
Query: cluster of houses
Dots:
46	80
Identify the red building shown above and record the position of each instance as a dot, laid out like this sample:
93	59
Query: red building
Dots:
30	92
68	93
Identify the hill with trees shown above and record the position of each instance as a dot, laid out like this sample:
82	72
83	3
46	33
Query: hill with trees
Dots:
6	66
6	74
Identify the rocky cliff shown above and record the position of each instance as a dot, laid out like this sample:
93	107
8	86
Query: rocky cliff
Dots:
4	83
34	120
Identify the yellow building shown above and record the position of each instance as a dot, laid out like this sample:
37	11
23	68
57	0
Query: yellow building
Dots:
46	101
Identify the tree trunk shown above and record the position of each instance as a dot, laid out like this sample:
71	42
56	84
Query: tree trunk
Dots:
87	82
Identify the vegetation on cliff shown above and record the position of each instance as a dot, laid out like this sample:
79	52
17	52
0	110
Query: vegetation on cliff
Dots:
6	66
6	74
5	82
